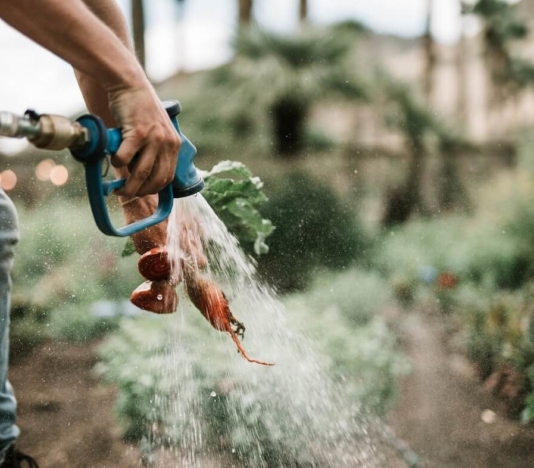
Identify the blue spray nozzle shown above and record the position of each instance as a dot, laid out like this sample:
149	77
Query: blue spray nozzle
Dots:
103	141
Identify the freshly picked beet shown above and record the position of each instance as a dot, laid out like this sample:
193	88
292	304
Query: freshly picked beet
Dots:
213	305
155	265
155	296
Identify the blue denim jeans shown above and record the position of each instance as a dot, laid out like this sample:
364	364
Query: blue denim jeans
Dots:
9	236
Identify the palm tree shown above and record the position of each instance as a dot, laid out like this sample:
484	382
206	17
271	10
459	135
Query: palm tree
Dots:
303	11
245	12
138	27
461	73
282	77
430	53
416	123
502	27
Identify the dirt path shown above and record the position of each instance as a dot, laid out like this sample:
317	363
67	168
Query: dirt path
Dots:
440	407
66	416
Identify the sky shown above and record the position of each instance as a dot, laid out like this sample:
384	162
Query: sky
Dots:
31	77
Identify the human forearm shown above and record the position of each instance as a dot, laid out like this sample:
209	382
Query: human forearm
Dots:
97	101
95	96
107	69
70	30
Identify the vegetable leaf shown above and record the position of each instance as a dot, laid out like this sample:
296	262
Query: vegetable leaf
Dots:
128	249
234	194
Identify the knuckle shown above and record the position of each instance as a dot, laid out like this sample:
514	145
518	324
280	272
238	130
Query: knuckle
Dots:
169	178
158	137
141	133
142	173
127	191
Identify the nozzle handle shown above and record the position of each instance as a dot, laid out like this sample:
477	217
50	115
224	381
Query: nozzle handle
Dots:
93	155
104	141
186	180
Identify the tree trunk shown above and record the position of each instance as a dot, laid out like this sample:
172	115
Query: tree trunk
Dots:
138	26
245	12
403	201
303	11
289	118
462	104
452	194
430	54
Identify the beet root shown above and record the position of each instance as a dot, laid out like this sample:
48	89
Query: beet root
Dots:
155	296
213	304
155	265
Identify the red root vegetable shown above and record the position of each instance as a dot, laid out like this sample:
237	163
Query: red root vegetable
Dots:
212	303
135	209
155	296
155	265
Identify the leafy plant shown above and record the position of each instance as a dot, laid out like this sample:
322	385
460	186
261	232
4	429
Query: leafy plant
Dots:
235	195
343	321
502	28
292	73
315	229
63	266
238	409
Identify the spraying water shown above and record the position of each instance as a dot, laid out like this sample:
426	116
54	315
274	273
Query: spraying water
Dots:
218	410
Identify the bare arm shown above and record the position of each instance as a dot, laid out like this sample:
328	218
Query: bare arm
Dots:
96	100
72	31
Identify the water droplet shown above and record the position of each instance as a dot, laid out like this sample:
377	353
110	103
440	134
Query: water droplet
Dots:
213	394
233	450
488	416
160	297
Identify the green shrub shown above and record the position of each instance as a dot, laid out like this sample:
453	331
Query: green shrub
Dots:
500	331
240	408
341	312
357	294
476	251
314	229
62	265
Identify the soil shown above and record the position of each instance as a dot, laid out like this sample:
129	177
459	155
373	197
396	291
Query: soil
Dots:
67	419
442	403
66	416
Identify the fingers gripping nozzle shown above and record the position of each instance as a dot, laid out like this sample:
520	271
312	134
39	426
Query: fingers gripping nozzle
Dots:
102	142
90	141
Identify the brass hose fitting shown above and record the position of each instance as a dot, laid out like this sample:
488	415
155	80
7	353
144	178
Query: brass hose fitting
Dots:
46	131
57	133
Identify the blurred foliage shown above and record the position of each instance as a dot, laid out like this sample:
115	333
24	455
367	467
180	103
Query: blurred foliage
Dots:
338	312
63	265
483	253
501	343
343	321
314	229
406	112
293	73
503	27
479	270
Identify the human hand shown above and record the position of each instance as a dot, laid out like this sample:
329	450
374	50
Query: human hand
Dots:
148	133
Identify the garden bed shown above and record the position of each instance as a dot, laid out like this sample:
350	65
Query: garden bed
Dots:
65	414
